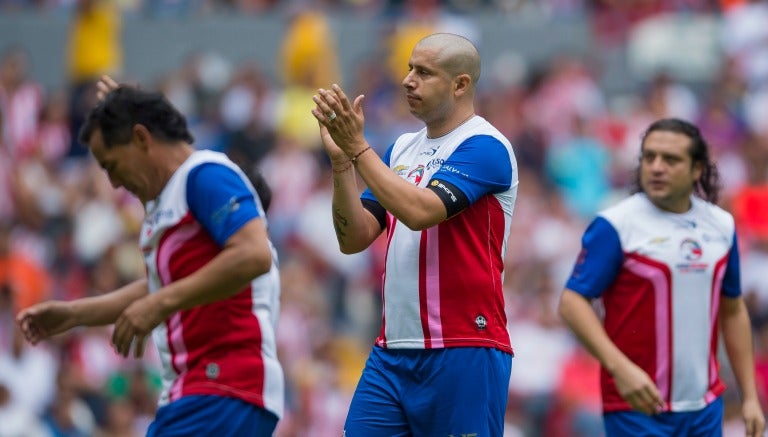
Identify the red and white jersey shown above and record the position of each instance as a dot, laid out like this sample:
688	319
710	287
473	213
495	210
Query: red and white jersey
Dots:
443	285
661	276
225	348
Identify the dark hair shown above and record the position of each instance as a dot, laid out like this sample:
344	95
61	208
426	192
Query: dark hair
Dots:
708	185
261	186
127	106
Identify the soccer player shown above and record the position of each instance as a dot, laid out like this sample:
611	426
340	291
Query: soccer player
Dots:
211	294
665	262
441	364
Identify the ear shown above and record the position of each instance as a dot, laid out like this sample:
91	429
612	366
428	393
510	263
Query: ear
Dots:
461	84
141	136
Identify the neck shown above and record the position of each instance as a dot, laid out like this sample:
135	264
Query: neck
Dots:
170	158
678	207
442	129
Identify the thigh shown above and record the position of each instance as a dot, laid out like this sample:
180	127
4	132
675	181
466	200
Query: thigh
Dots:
375	410
212	415
464	392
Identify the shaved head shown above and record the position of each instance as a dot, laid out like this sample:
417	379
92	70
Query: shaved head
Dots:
455	54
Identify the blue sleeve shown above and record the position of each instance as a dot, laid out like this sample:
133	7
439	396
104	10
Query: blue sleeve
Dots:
220	200
367	194
480	165
732	277
599	262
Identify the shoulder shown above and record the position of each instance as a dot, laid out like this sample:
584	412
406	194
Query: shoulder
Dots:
627	209
714	214
410	137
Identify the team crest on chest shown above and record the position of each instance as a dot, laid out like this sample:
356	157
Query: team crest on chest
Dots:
416	174
692	252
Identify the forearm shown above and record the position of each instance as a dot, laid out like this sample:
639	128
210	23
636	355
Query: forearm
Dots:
578	314
737	337
418	208
355	227
225	275
106	308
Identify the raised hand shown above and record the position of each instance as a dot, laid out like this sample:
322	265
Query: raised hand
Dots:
104	86
343	121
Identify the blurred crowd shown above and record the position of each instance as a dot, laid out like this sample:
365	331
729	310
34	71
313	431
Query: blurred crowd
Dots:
65	233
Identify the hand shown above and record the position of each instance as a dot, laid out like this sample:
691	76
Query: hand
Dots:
104	86
343	121
134	325
754	421
334	152
637	388
45	320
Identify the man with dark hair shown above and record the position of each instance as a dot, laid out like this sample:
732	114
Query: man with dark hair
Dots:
211	295
445	195
665	262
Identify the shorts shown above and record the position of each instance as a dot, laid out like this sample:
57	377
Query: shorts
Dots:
707	422
431	392
212	415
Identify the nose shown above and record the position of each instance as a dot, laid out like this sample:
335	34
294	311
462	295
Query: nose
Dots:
657	164
408	80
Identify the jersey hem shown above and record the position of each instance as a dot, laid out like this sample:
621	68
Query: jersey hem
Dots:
419	344
255	399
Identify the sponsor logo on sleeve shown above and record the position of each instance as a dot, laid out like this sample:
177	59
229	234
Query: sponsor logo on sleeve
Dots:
437	184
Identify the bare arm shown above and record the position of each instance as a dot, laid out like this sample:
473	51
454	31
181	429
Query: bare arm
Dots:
245	256
634	385
737	337
46	319
417	208
355	227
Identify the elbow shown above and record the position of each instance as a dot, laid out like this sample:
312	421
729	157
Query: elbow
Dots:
348	249
257	263
418	223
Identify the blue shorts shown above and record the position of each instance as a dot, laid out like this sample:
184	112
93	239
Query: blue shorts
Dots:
707	422
431	392
212	415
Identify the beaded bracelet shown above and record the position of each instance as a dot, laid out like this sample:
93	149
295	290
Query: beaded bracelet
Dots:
354	159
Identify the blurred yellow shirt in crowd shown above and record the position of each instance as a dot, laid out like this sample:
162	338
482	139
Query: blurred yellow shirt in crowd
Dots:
308	52
95	45
401	44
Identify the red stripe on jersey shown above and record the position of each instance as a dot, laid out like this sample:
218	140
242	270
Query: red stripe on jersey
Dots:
716	385
471	265
216	348
641	293
423	296
460	267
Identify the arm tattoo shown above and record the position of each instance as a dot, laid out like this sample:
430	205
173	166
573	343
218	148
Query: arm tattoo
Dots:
339	222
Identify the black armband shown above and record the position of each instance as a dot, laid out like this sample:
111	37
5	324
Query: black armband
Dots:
377	210
453	198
